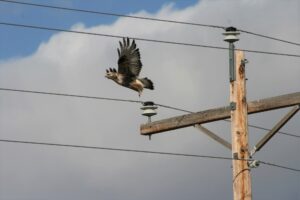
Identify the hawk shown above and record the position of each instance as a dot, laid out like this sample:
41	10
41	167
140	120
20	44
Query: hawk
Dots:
129	67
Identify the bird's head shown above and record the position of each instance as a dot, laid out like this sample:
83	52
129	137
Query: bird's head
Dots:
111	74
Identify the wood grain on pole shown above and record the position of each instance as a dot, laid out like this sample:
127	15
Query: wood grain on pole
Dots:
239	132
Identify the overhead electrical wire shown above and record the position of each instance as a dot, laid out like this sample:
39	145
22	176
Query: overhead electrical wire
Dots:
269	37
280	166
173	108
266	129
117	149
110	14
107	35
125	100
70	95
141	39
143	18
142	151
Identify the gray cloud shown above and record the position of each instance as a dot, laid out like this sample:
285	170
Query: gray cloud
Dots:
186	77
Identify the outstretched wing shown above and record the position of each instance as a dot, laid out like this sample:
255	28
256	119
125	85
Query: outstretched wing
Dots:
129	59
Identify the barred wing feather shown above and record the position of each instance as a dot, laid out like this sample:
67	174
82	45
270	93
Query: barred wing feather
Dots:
129	61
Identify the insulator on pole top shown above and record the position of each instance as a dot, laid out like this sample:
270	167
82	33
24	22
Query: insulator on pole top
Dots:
149	109
231	34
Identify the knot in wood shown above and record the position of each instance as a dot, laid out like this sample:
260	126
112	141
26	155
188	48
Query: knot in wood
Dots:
244	149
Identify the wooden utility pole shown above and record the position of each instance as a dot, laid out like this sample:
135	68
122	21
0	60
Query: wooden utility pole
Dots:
239	132
238	111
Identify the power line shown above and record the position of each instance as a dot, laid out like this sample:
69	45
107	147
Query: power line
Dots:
111	14
279	166
126	100
141	151
115	149
173	108
70	95
142	39
143	18
266	129
269	37
108	35
86	97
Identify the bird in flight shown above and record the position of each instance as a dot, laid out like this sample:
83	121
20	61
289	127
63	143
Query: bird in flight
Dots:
129	67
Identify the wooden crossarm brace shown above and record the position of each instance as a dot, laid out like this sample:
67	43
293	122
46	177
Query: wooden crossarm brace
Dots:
214	136
275	130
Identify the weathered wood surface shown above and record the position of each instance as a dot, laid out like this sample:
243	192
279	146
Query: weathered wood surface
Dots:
218	114
239	133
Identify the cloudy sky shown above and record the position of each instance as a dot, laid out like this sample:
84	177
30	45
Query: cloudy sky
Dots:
191	78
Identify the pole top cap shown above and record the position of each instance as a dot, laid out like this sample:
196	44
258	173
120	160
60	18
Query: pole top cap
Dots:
148	103
230	29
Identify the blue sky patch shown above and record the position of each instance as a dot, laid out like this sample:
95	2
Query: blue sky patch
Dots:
19	42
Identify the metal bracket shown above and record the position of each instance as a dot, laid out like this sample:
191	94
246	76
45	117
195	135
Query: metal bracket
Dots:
231	63
232	105
253	163
235	156
244	62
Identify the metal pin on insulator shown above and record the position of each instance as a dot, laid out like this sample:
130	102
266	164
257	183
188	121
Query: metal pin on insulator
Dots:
231	36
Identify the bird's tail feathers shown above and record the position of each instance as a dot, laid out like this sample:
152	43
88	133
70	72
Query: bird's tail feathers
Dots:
147	83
